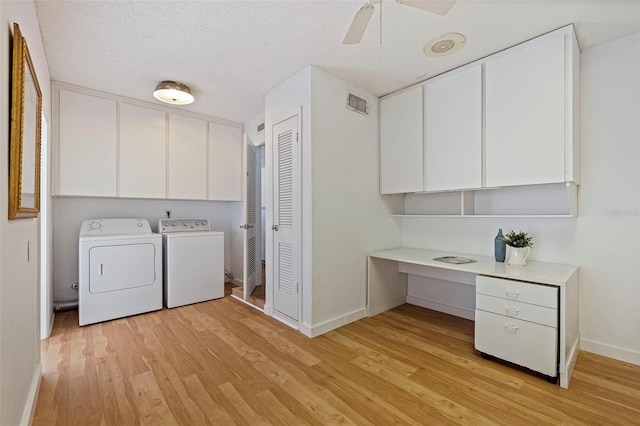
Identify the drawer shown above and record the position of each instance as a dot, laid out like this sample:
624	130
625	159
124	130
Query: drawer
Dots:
511	308
524	343
536	294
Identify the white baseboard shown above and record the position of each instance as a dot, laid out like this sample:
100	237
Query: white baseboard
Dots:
380	309
332	324
246	302
237	282
610	351
32	397
442	307
285	319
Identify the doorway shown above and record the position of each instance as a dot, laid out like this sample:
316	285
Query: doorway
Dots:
253	289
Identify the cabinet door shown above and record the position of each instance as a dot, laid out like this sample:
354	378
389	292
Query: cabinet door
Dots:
525	105
187	158
453	131
401	143
142	153
86	145
225	162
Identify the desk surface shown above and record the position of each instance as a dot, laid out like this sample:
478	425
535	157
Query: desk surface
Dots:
544	273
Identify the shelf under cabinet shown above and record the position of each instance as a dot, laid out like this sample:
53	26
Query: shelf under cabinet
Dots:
418	216
558	200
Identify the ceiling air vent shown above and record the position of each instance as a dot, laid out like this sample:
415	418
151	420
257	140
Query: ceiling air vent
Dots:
260	128
357	104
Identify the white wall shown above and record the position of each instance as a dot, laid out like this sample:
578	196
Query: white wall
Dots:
350	218
19	281
251	127
289	98
608	230
69	212
343	216
604	240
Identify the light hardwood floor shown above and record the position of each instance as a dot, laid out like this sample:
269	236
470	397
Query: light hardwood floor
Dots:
223	362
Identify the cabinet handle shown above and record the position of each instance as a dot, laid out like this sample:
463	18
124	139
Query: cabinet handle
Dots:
512	293
512	311
511	327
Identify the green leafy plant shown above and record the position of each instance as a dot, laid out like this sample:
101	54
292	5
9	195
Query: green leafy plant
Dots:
518	239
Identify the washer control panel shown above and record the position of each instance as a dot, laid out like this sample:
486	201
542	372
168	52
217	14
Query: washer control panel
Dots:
95	227
183	225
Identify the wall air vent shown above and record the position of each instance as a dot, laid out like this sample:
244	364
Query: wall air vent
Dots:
260	128
357	104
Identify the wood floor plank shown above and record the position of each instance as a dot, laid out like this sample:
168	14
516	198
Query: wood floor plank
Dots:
239	404
224	363
213	413
150	401
283	344
452	410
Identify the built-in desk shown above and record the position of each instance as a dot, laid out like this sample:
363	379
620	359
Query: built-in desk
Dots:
387	287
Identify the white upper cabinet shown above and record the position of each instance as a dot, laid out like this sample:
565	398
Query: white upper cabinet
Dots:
107	146
86	149
401	142
187	160
142	153
225	159
527	95
453	130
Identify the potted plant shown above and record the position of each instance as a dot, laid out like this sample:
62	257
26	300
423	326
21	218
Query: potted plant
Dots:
520	243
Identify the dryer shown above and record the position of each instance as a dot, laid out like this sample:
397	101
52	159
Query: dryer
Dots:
120	268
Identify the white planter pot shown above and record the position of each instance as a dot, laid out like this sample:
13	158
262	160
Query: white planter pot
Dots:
518	256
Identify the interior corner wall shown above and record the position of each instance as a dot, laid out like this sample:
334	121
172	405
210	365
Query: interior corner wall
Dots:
19	279
251	127
291	97
350	219
604	240
608	230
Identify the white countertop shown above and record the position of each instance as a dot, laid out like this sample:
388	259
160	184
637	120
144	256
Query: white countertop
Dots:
539	272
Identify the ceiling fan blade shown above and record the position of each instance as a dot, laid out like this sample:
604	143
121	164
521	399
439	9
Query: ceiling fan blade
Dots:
359	25
439	7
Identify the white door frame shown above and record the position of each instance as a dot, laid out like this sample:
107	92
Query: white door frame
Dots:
250	228
269	222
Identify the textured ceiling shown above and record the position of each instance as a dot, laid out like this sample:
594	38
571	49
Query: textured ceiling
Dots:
232	52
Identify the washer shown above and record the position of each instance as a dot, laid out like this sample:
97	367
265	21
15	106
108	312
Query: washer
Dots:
193	261
120	266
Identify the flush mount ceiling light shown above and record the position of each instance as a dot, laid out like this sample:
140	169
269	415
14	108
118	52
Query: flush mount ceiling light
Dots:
444	45
173	93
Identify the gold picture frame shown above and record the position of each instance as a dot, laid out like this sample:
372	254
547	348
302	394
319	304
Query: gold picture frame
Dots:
24	150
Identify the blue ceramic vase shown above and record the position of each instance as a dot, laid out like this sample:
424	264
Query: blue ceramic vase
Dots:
500	247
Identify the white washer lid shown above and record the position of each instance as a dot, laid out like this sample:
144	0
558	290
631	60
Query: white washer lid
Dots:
101	227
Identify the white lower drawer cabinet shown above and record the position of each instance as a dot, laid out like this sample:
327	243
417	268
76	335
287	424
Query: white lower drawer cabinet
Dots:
524	343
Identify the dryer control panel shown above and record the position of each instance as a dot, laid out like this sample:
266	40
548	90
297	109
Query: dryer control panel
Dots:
95	227
183	225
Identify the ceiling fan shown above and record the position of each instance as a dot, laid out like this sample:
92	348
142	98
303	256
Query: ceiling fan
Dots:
363	16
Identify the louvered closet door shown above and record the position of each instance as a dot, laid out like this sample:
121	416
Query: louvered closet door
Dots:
250	245
286	217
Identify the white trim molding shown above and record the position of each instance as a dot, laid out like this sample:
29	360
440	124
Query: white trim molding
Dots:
610	351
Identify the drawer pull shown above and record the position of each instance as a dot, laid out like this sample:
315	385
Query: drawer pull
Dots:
512	293
511	327
512	311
